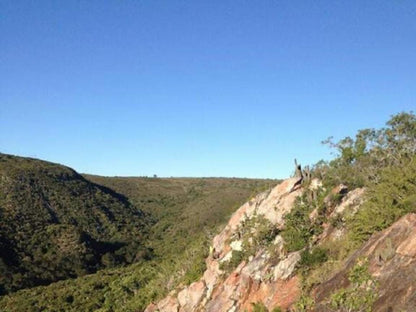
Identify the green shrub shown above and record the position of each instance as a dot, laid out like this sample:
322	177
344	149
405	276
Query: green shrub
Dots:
299	229
304	304
312	258
237	257
259	307
389	199
360	295
255	233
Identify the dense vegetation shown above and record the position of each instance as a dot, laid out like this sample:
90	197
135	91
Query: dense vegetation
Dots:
384	161
82	224
54	224
185	209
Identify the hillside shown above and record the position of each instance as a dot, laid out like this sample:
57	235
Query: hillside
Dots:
55	224
184	210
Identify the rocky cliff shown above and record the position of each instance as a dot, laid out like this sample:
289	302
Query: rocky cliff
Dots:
268	276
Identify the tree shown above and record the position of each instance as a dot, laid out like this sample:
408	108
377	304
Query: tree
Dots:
359	160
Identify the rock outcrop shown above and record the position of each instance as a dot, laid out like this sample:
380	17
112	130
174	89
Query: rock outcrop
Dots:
270	277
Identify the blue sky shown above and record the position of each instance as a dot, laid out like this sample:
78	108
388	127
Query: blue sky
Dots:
199	88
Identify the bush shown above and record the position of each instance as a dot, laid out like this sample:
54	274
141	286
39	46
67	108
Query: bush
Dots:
361	294
304	304
312	258
255	233
259	307
237	257
298	227
392	197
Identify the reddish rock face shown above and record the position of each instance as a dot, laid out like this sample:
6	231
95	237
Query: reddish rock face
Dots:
392	261
282	293
251	281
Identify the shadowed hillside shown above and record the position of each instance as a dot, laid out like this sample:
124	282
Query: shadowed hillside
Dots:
55	224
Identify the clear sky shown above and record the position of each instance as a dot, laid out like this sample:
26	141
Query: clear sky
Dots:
199	88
